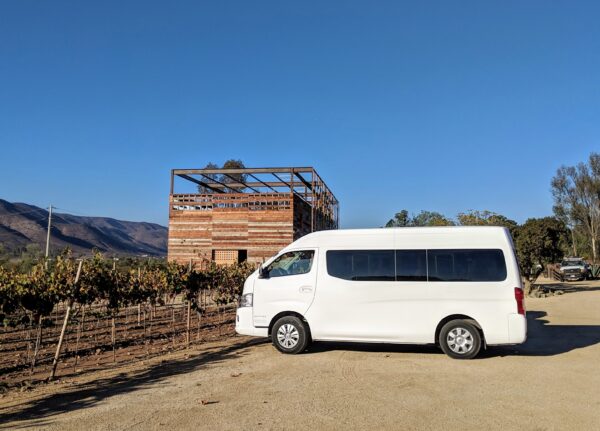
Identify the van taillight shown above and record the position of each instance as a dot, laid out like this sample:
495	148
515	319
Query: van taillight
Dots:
520	297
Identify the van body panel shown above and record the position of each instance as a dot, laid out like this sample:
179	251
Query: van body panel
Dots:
289	293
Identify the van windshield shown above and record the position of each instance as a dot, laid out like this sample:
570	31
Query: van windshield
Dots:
291	263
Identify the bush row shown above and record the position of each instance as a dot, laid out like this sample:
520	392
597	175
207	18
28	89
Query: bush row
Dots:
48	284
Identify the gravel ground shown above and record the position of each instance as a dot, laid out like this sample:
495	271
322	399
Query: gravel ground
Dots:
552	382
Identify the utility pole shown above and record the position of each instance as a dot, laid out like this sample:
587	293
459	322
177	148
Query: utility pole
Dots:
48	234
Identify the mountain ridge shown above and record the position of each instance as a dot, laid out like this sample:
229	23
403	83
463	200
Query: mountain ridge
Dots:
22	224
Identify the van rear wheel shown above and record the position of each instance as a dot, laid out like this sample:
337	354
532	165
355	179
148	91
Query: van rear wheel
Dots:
460	339
290	335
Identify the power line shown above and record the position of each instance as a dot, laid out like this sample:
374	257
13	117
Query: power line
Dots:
73	212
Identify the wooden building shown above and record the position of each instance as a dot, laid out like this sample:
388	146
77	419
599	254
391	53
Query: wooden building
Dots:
236	215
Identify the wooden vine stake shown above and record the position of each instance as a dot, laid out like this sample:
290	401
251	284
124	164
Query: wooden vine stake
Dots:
140	305
38	342
189	321
64	326
189	313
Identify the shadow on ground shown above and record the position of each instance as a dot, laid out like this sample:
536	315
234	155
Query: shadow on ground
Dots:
571	286
546	339
543	339
87	395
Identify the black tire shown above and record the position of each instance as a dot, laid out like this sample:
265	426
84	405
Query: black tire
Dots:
290	335
467	336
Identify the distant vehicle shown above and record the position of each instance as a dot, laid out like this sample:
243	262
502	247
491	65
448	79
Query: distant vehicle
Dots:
574	268
456	287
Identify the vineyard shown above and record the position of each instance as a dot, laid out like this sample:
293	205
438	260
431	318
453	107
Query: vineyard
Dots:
79	313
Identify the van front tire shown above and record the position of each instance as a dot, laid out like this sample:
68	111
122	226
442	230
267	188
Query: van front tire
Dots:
290	335
460	339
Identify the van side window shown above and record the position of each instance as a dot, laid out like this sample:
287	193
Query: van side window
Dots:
361	265
466	265
291	263
411	265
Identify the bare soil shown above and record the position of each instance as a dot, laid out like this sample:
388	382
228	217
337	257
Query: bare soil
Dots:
552	382
88	344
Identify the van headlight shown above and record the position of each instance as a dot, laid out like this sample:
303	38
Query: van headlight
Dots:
246	300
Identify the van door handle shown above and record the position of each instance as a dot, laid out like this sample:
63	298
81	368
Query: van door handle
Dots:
306	289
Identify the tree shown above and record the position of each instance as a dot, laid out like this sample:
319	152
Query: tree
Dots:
541	241
234	178
205	190
401	219
431	218
424	218
576	192
487	218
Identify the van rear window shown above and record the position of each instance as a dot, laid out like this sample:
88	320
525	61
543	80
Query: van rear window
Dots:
466	265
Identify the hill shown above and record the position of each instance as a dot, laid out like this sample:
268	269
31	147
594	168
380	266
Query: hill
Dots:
22	224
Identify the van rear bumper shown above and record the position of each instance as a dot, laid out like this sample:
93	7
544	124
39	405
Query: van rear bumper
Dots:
517	328
244	326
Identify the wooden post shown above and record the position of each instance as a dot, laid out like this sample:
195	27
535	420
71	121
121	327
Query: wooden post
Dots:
189	321
64	326
38	342
28	341
77	343
173	320
113	336
189	313
139	305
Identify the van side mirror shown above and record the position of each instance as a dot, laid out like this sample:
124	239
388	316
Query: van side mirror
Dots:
262	272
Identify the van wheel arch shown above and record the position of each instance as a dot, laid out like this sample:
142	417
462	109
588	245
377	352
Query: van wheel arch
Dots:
289	313
459	317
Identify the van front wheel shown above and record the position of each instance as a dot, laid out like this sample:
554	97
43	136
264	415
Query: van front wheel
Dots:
460	339
290	335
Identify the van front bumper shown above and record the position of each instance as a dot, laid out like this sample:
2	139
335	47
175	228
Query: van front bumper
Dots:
244	325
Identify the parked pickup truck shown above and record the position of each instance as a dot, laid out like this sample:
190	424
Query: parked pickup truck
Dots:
574	268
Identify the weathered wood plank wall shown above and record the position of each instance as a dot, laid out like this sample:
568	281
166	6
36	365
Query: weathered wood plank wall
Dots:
261	224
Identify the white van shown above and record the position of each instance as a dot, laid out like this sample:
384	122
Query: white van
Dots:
457	287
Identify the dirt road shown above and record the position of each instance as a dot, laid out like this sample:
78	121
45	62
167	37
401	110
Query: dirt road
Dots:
550	383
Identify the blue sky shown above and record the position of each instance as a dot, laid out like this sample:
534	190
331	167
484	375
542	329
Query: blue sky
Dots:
444	106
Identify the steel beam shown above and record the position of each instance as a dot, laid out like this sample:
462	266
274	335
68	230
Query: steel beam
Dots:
253	189
194	180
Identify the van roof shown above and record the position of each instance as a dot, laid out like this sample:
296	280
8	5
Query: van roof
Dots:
322	237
